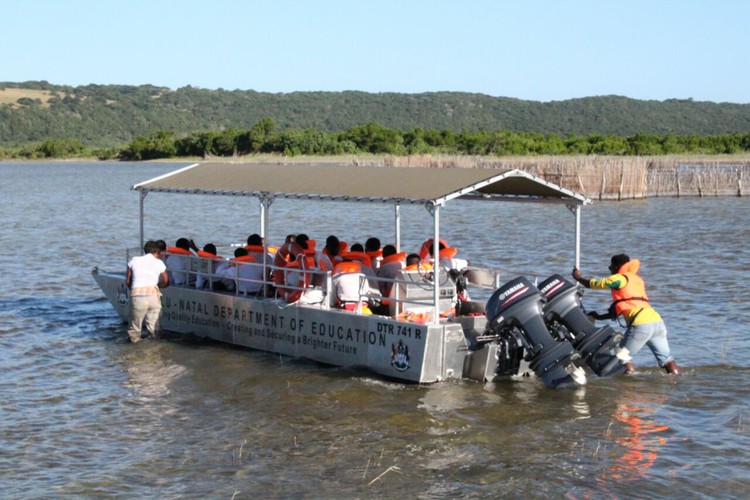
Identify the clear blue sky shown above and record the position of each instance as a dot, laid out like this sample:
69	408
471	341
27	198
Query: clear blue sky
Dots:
543	50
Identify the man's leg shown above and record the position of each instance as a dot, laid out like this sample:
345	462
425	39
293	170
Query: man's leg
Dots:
153	315
660	347
635	338
138	310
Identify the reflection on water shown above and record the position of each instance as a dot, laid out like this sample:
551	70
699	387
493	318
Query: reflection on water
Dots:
150	375
580	406
641	437
87	414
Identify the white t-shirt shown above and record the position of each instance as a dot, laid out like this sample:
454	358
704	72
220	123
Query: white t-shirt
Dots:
145	270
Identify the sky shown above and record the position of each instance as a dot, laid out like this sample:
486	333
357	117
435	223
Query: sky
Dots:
540	50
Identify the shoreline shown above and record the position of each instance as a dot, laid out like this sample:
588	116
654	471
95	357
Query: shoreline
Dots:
601	178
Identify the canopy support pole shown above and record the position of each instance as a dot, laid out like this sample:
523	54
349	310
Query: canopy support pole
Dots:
262	219
266	200
143	197
576	210
434	209
397	216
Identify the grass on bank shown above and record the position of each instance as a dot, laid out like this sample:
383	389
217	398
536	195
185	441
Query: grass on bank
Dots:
23	97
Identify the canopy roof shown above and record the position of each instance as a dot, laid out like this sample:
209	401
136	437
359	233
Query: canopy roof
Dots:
356	183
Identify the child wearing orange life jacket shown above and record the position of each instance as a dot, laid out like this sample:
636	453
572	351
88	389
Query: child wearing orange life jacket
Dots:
242	273
331	254
351	286
415	263
254	247
357	253
203	280
178	262
373	250
390	265
447	255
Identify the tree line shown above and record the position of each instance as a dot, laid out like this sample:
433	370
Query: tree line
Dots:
108	116
266	138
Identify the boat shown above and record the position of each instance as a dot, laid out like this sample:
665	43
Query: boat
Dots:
526	327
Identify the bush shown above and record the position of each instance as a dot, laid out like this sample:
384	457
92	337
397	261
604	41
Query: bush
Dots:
160	144
60	148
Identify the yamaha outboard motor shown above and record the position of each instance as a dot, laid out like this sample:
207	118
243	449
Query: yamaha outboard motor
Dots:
566	319
514	313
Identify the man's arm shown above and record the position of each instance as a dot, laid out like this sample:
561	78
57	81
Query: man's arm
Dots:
615	282
578	276
610	314
163	280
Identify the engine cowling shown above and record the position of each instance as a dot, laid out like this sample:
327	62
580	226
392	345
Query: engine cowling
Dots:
565	318
515	311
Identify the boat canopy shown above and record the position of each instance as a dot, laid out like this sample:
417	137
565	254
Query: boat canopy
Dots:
400	185
431	187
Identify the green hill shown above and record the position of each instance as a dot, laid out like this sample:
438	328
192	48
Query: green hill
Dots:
112	115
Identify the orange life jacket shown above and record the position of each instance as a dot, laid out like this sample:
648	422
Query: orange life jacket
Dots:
352	306
424	251
388	268
303	264
358	256
348	267
396	257
633	294
343	247
255	248
178	250
208	255
347	276
448	253
446	258
244	258
324	255
414	317
280	260
422	266
375	257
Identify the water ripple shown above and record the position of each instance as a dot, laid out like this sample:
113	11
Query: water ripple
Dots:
86	414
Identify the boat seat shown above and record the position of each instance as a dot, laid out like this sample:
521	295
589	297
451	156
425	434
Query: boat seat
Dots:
415	285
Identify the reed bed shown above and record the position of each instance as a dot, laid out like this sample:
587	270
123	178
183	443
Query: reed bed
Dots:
613	177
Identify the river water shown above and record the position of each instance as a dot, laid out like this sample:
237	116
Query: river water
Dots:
85	413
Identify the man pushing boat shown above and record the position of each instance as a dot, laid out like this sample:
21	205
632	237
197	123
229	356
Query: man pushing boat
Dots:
644	326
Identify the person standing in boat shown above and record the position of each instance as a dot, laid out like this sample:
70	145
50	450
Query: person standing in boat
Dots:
644	326
145	275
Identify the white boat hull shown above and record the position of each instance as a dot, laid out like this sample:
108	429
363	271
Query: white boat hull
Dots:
395	349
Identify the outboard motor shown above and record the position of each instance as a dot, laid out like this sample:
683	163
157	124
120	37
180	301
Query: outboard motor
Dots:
566	319
514	312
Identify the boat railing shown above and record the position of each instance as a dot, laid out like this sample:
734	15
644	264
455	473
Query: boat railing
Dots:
397	305
410	291
253	282
315	292
320	289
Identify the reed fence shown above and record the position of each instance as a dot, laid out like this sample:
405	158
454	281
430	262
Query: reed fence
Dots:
612	177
